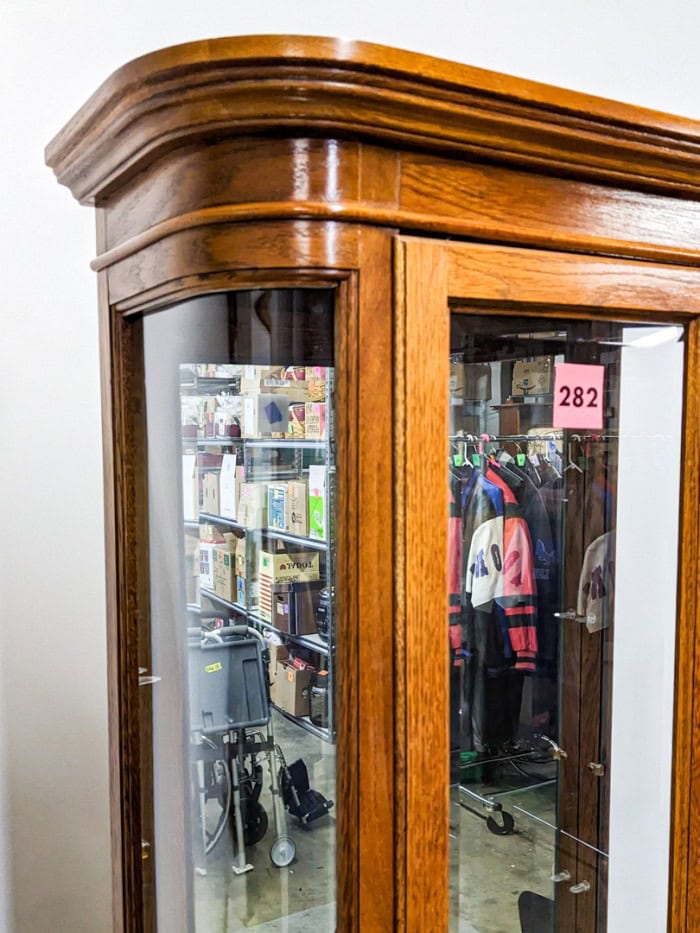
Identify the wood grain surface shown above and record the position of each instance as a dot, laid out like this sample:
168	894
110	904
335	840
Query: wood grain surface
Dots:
261	84
374	508
502	275
421	426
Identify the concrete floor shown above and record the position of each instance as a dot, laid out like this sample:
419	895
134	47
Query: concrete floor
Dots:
299	898
488	872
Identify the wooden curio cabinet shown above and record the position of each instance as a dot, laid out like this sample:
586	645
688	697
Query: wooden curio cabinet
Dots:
400	402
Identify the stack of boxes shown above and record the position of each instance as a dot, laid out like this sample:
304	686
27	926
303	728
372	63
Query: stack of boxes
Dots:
284	401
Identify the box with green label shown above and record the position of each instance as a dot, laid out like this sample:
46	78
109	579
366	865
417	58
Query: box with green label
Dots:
317	502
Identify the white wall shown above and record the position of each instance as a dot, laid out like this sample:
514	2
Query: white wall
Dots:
53	764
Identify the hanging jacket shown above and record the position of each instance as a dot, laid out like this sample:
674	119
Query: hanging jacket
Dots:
516	589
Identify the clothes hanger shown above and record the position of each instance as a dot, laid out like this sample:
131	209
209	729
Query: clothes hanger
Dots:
571	465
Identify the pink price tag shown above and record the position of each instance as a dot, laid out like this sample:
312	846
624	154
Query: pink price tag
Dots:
578	395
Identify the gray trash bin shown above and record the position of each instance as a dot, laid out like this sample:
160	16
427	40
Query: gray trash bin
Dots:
227	687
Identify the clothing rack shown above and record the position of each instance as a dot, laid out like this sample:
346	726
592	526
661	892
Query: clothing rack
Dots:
551	436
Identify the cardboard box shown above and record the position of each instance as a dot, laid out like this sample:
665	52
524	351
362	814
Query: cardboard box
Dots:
278	654
297	420
279	568
252	505
209	538
277	496
281	612
317	502
533	377
292	689
265	415
296	392
316	382
225	574
304	599
206	564
297	517
254	376
230	480
210	493
315	420
190	488
294	607
240	557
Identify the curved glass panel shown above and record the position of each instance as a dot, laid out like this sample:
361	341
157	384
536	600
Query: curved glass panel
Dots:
237	659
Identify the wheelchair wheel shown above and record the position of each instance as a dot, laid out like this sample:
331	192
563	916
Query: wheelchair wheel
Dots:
256	823
282	852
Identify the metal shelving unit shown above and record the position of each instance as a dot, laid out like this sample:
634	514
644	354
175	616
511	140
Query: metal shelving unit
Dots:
213	441
220	520
259	468
212	597
305	723
312	642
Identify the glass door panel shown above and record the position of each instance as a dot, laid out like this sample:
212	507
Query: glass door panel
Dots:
563	549
237	663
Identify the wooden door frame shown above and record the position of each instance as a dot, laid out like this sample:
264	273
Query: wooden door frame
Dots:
267	257
429	274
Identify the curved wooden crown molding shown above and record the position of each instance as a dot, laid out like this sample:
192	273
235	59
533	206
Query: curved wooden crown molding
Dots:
272	84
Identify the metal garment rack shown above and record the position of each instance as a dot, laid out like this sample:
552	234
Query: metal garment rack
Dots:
261	471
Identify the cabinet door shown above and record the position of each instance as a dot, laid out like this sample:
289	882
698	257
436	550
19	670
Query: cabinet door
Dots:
238	642
546	432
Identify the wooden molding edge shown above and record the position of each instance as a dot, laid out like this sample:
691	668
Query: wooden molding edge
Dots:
356	212
336	88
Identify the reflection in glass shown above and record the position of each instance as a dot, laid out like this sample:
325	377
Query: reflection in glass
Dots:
534	554
239	394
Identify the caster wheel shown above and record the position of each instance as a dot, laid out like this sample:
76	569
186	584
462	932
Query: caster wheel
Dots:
499	829
255	824
282	851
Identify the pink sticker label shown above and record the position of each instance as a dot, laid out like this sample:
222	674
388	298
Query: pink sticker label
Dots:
578	396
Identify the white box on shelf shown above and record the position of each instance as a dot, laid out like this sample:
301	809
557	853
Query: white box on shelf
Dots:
297	517
190	488
252	510
229	486
210	493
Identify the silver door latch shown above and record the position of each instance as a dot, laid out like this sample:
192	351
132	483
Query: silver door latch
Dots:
580	888
558	753
573	616
597	768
